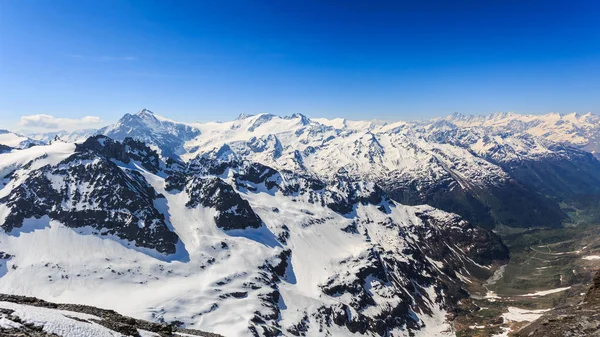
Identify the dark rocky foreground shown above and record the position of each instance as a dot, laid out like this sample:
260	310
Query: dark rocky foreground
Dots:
569	321
126	326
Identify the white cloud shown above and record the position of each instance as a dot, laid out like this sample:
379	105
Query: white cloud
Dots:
102	58
55	123
117	58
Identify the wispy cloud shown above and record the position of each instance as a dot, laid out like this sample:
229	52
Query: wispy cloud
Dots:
117	58
103	58
49	122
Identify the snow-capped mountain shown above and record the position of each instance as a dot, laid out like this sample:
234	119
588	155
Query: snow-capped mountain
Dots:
269	225
17	141
168	136
230	246
581	130
496	169
480	173
62	135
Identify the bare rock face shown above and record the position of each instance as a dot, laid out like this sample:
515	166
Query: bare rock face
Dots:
233	211
4	148
126	151
592	297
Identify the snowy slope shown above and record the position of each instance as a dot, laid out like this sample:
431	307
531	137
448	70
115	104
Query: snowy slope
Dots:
366	151
16	140
548	164
325	257
65	136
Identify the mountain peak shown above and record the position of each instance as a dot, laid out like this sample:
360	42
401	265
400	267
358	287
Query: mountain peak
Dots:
244	116
145	112
303	119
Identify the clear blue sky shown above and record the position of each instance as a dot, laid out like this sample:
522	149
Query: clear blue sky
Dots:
212	60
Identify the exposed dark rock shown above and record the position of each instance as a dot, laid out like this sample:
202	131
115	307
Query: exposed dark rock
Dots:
233	211
281	268
4	148
125	151
509	204
89	190
529	198
418	273
592	297
238	295
483	246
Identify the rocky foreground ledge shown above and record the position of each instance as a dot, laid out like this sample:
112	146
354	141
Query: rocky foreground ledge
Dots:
30	316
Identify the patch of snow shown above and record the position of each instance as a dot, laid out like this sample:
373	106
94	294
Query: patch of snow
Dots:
515	314
546	292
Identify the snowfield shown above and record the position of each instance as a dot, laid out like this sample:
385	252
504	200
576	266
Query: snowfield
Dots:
519	315
546	292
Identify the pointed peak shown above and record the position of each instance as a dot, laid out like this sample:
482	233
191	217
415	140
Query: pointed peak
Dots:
145	112
223	154
96	142
297	115
244	116
502	114
303	119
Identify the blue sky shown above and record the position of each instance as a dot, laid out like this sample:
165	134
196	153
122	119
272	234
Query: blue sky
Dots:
212	60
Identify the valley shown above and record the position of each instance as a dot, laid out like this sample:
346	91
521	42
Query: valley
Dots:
548	268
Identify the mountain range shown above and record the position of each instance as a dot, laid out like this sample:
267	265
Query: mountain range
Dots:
294	226
496	169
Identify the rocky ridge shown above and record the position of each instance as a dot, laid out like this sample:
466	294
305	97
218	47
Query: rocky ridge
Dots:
17	320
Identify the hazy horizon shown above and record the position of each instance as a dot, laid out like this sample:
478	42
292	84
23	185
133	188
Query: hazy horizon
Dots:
34	124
